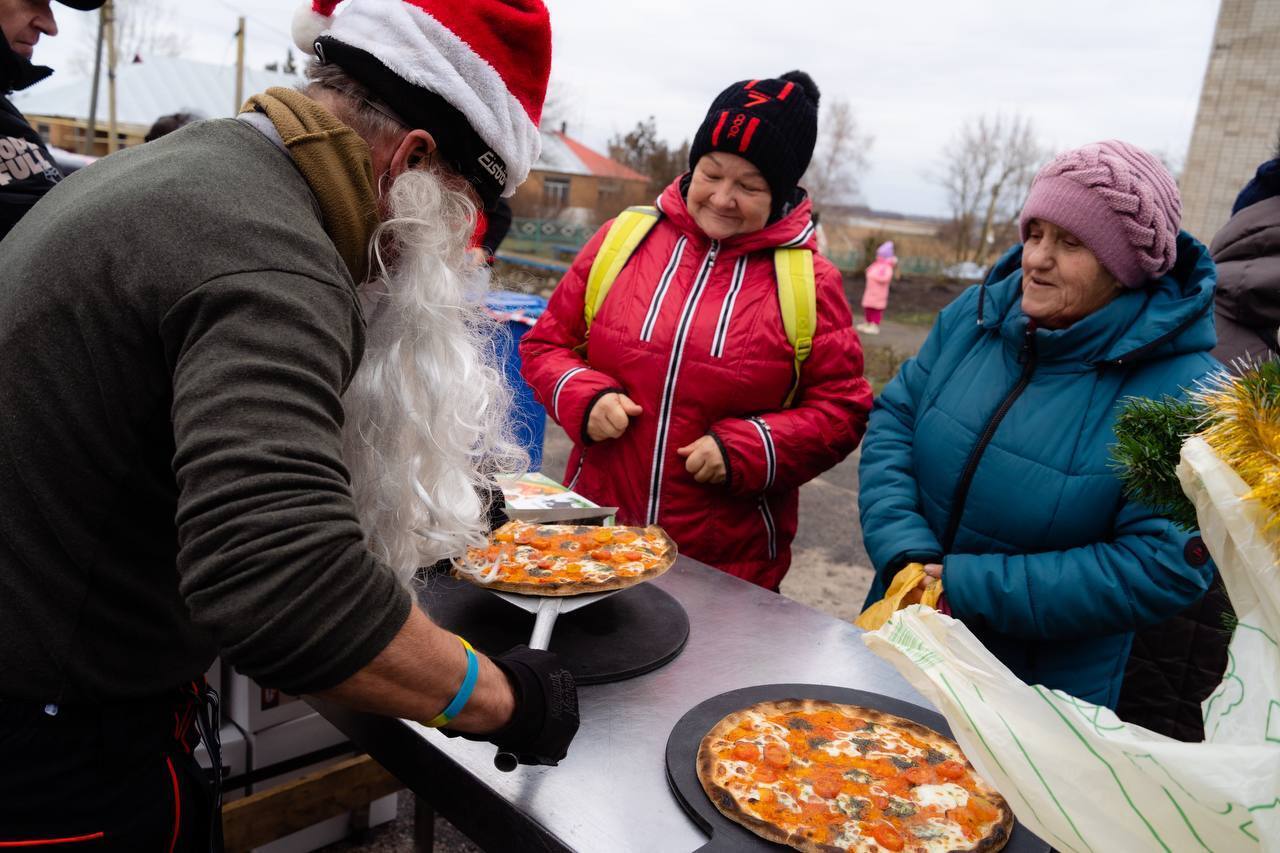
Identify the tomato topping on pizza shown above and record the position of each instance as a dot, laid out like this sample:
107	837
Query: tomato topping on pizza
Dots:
548	559
821	776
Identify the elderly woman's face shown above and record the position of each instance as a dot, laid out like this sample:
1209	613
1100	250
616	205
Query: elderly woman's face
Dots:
1062	281
728	196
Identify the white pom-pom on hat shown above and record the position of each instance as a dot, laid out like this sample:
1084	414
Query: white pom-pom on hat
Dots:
309	21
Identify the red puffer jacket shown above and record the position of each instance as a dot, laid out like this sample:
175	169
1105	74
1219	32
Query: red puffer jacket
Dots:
692	331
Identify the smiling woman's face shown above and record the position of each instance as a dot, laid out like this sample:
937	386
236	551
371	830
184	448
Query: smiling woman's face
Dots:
1062	281
728	196
24	21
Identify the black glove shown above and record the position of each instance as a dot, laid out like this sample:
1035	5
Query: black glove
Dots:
546	715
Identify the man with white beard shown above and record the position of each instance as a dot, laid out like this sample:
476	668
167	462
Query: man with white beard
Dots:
249	391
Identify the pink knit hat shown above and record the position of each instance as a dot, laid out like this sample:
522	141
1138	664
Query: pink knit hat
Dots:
1120	201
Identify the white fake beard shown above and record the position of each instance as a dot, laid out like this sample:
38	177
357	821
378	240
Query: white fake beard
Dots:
427	413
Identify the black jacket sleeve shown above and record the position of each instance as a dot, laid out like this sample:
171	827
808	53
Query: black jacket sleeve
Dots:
271	555
497	224
27	170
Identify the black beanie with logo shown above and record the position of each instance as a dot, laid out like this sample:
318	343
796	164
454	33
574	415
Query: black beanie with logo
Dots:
773	124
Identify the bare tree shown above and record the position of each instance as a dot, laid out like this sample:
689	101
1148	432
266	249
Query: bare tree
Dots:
987	170
840	158
142	29
1174	162
560	107
641	149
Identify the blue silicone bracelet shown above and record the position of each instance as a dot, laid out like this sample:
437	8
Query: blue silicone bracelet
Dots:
464	692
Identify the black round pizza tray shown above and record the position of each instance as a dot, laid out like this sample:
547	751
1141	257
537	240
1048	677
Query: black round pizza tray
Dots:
686	737
616	638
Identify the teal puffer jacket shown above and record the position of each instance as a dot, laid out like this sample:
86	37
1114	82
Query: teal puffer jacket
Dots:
991	449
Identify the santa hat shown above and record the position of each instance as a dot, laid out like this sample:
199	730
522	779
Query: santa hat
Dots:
472	73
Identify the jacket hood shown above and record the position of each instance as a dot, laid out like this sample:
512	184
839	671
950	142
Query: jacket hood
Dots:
16	71
1252	233
795	229
1169	316
1247	251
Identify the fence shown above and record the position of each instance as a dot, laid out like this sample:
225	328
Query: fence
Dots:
853	262
546	237
562	240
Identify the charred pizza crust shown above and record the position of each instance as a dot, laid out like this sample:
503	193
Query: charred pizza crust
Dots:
726	802
582	587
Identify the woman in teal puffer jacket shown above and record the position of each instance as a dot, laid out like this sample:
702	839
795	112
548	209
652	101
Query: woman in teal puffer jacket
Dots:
988	457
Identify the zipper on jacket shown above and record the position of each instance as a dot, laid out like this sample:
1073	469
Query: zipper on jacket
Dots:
770	528
669	384
1148	347
1027	357
582	459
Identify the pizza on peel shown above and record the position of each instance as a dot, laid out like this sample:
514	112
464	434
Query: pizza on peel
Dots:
562	559
820	776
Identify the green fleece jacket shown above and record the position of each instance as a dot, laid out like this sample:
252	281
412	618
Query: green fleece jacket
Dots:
176	332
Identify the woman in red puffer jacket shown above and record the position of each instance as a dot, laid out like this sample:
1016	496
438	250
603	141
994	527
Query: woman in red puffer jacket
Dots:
677	406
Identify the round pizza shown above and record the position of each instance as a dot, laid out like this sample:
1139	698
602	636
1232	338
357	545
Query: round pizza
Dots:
820	776
561	559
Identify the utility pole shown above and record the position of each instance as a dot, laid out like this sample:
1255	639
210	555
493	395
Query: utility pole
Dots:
239	68
90	136
109	19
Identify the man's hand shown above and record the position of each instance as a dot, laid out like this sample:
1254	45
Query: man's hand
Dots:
419	672
704	460
546	707
610	416
932	571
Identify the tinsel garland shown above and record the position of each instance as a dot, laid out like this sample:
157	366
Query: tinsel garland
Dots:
1239	417
1243	428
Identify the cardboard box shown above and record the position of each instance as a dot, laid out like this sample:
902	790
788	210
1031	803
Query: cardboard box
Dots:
538	491
214	676
256	708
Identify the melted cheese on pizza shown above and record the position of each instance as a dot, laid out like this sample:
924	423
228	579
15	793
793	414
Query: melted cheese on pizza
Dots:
537	555
834	778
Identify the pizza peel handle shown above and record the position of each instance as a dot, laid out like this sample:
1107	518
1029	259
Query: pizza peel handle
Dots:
544	621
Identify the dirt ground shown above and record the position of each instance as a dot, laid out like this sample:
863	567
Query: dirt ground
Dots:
915	298
829	569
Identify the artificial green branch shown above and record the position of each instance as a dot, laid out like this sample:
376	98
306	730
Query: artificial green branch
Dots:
1149	437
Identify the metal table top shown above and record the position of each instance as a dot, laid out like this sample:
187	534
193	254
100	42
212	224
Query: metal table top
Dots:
610	793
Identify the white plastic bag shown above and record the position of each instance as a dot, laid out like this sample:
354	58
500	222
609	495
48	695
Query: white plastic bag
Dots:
1078	776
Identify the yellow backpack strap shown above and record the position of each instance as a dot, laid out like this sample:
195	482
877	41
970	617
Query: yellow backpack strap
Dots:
626	232
798	297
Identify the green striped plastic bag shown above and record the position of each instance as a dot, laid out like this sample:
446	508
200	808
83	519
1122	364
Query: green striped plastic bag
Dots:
1078	776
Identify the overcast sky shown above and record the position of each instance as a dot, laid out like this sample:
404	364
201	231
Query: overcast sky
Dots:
913	70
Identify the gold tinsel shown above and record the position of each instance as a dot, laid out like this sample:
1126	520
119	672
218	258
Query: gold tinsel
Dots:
1243	427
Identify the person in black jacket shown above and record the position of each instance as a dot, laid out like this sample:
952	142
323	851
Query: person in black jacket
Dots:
27	170
1247	252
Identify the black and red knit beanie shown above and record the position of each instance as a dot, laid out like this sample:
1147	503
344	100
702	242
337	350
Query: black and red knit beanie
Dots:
773	124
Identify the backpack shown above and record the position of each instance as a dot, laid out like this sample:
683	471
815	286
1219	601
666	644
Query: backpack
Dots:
797	289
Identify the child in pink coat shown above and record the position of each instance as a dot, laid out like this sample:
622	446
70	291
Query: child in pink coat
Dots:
875	297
